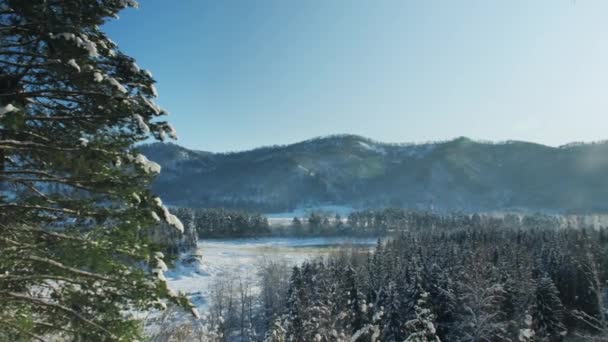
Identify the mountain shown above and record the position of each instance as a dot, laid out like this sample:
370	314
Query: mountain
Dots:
350	170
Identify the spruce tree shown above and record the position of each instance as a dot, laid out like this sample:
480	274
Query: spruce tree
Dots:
548	311
422	328
296	307
74	199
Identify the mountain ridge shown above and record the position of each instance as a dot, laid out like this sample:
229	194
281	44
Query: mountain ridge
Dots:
458	174
374	141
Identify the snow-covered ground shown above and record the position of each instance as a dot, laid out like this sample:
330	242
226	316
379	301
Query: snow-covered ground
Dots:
241	258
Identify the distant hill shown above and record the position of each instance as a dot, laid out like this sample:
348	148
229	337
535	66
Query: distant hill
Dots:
349	170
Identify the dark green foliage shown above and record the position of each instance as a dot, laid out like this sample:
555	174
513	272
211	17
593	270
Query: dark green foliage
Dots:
75	208
224	223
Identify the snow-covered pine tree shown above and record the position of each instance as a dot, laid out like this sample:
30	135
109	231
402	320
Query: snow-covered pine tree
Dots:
276	332
355	302
74	200
422	328
548	311
296	307
318	325
526	333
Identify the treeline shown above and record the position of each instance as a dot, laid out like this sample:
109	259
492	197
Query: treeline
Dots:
463	284
381	222
232	223
223	223
395	219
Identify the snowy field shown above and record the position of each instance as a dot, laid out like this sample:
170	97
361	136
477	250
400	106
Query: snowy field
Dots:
240	258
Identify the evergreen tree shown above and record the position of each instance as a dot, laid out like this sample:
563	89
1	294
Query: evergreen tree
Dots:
74	206
548	311
276	333
356	305
297	226
296	307
422	328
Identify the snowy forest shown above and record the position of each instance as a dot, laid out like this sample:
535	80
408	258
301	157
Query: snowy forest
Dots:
89	252
451	279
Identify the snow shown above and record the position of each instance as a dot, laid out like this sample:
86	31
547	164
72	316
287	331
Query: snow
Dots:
90	47
147	165
150	104
372	148
117	84
175	222
135	68
216	259
7	109
64	35
129	3
153	90
303	168
161	264
169	218
81	41
97	76
526	334
310	173
171	131
73	64
195	313
143	127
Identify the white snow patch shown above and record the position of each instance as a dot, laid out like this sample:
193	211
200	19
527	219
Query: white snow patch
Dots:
97	76
175	222
129	3
81	41
7	109
153	90
147	165
135	68
143	127
73	64
372	148
150	104
117	84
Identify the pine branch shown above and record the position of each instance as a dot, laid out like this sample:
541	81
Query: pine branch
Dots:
41	302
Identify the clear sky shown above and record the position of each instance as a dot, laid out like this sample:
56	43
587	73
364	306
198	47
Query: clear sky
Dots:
240	74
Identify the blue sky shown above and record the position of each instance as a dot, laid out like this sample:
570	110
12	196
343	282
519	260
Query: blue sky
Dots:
241	74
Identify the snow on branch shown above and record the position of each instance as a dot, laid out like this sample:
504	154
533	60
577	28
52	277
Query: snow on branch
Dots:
169	218
7	109
147	165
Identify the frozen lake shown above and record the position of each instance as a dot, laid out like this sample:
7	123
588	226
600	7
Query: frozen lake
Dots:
240	259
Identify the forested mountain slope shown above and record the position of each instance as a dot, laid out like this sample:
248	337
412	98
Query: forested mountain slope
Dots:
459	174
